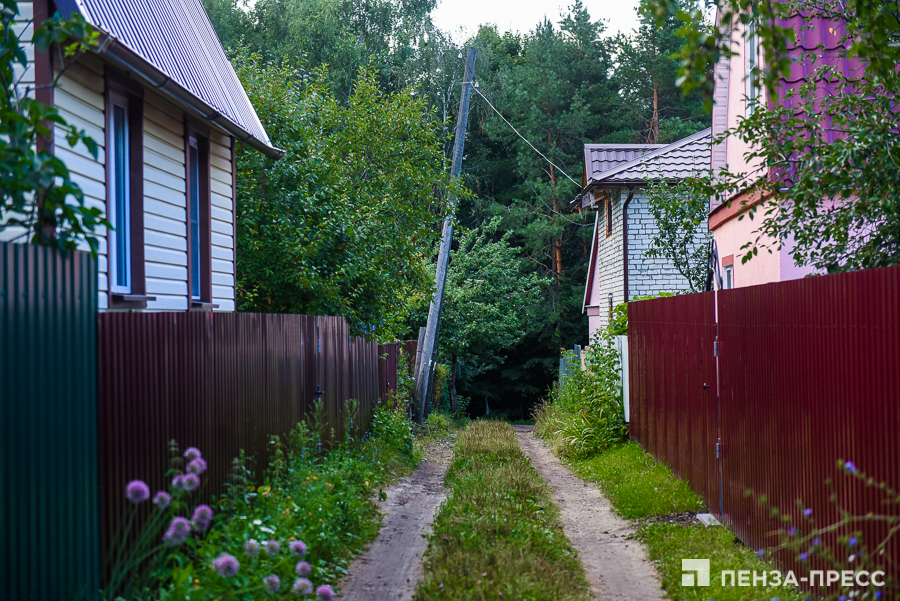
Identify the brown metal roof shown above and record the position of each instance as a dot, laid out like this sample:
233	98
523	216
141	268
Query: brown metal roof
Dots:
599	158
684	158
177	45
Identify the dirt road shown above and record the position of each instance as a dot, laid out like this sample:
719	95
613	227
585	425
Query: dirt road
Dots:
617	567
391	567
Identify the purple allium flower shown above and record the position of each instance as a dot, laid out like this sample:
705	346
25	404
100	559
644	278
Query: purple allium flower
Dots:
251	548
325	593
202	517
807	512
178	482
272	547
162	499
850	467
190	482
817	541
178	531
226	565
878	594
852	542
137	491
793	531
842	598
760	553
302	586
303	569
298	548
804	557
271	584
196	466
191	453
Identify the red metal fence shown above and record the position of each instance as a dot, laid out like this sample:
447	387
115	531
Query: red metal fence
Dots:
222	382
809	374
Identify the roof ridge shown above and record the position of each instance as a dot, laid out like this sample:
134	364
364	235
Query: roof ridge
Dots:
658	152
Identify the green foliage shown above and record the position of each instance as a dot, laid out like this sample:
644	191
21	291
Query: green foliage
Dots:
38	199
584	414
680	212
834	202
635	483
498	533
340	225
668	544
618	325
441	380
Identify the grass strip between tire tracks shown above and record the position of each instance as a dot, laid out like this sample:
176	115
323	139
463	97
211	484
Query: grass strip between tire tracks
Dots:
497	535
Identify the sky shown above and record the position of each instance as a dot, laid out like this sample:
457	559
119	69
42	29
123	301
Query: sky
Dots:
523	15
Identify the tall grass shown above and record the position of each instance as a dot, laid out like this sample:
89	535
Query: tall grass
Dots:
497	535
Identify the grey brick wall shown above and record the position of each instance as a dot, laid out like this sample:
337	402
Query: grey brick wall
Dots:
647	275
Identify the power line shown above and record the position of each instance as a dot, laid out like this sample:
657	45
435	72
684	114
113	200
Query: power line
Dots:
477	91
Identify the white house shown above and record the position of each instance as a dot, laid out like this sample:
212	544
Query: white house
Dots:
165	107
615	179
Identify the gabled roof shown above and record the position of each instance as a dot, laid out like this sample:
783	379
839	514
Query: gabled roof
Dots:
172	46
678	160
599	158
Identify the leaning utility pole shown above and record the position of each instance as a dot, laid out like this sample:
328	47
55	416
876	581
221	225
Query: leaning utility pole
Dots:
425	373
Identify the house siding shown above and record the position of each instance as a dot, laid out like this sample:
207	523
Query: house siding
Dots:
222	212
609	275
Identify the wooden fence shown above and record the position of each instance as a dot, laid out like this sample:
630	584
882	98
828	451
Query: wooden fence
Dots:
807	374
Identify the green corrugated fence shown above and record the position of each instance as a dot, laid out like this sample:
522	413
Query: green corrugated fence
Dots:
49	485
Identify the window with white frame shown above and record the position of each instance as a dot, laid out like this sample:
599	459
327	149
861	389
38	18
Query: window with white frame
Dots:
728	277
119	209
751	67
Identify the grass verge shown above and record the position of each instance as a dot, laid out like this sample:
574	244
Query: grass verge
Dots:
497	535
635	483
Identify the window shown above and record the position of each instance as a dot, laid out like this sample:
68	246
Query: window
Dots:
728	277
119	202
751	67
609	216
125	192
199	222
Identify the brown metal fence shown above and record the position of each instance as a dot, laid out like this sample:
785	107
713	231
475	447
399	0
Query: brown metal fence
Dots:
809	374
222	382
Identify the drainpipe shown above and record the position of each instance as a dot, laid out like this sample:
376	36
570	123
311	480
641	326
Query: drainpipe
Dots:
625	237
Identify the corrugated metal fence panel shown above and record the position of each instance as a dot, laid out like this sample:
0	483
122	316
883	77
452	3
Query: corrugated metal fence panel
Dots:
810	374
49	519
221	382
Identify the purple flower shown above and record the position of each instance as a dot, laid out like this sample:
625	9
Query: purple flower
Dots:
760	553
162	499
196	466
226	565
190	482
878	594
137	491
850	467
178	482
251	548
192	453
303	569
272	547
325	593
302	586
202	517
793	531
298	548
842	598
807	512
178	531
817	541
271	584
804	557
852	542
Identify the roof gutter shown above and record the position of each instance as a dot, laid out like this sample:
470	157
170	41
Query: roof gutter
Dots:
121	56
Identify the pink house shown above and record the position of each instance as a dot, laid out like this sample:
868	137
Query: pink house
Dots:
735	96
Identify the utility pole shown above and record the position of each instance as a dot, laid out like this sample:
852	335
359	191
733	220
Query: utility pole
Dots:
425	373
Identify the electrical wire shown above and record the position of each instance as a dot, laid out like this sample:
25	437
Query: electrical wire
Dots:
477	91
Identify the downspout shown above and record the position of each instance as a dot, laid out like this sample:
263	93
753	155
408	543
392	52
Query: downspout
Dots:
625	238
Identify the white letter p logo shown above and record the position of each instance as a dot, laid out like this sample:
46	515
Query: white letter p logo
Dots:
701	566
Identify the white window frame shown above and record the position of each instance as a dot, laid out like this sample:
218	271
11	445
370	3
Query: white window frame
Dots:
121	223
751	63
728	276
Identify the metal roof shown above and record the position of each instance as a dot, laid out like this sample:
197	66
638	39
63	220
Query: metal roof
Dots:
176	39
678	160
599	158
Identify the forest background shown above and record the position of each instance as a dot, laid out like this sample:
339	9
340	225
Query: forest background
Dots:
363	95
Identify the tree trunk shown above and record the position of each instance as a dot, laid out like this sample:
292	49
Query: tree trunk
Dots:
452	387
654	125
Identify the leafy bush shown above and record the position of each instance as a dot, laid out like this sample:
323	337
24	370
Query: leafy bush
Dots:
584	414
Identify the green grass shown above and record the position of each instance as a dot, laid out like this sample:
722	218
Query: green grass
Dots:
497	535
635	483
668	544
